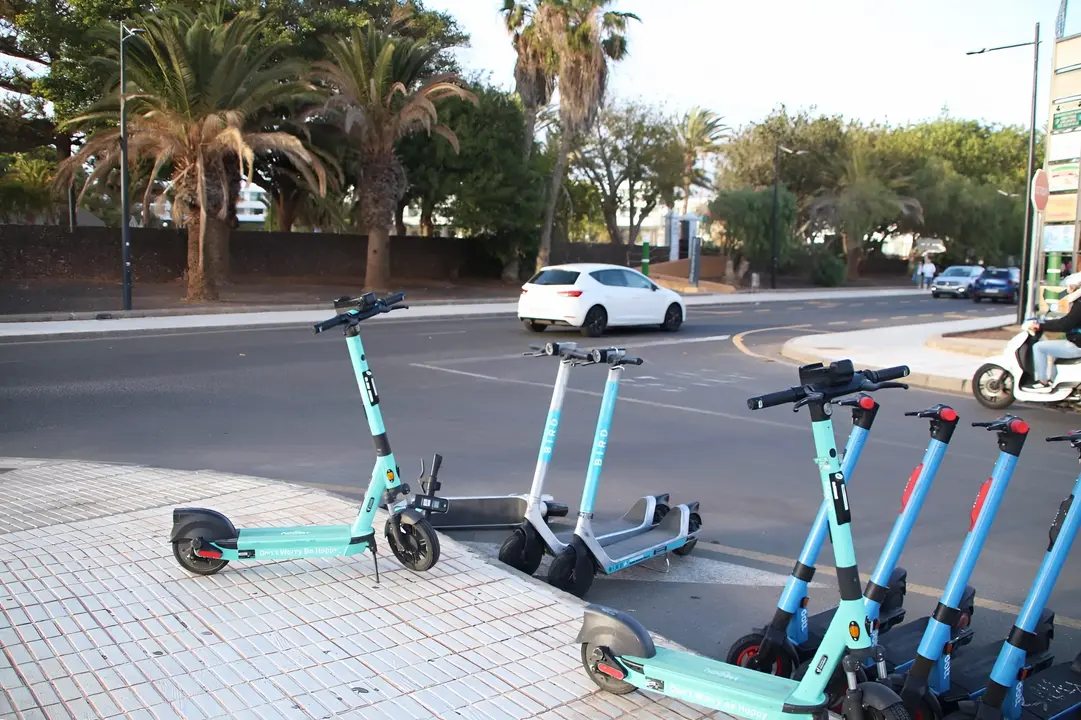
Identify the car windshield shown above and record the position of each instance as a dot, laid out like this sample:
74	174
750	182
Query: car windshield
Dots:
996	275
555	277
960	271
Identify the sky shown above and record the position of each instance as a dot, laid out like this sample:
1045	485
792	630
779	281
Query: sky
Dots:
885	60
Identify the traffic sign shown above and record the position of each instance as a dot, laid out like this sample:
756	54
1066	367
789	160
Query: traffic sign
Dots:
1041	190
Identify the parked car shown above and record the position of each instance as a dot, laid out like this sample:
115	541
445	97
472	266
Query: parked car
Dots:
594	297
997	284
955	280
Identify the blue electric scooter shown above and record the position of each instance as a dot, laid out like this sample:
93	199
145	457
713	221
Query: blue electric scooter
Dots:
619	655
586	552
525	547
205	541
1021	683
791	637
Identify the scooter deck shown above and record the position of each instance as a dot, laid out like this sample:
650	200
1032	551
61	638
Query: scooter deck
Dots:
626	552
970	671
1054	694
903	642
490	512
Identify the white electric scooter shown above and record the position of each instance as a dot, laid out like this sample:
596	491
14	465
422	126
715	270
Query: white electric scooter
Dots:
1003	379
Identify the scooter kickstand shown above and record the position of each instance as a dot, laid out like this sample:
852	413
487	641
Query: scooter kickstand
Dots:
375	561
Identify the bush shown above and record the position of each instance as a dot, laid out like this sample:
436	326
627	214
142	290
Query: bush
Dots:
827	270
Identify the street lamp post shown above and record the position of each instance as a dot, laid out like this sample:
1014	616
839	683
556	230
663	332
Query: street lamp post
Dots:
1029	245
126	34
773	222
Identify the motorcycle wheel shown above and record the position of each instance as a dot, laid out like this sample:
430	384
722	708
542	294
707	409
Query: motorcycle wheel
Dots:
992	387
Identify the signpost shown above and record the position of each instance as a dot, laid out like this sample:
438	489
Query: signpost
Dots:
1041	190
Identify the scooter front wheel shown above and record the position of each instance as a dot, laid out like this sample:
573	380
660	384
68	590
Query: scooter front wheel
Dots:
418	546
591	661
522	550
571	571
184	552
747	647
992	385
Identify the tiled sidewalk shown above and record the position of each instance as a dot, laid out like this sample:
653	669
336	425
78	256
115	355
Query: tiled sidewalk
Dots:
99	621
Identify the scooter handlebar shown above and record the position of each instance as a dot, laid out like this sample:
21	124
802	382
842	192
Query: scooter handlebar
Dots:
773	399
330	324
887	374
862	380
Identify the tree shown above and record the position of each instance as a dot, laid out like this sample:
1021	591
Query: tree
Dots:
584	37
859	200
26	191
747	219
197	78
379	97
633	160
534	68
700	135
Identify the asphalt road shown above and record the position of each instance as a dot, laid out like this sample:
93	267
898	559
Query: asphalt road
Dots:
280	403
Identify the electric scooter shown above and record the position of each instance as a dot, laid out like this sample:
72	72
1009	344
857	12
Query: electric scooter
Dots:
619	655
573	568
1004	688
777	650
205	541
524	548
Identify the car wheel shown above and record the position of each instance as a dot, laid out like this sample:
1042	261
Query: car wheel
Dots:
535	326
935	295
673	318
596	322
976	299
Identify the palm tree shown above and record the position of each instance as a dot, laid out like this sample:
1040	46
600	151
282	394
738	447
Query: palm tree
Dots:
535	67
700	135
195	79
584	37
860	199
379	94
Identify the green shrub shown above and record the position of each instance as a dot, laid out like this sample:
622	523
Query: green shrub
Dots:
827	270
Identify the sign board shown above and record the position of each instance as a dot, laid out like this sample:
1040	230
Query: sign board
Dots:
1063	146
1062	177
1041	191
1066	120
1060	208
1058	238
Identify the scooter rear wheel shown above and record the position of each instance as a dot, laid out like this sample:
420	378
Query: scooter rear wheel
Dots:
604	682
893	712
184	553
522	550
693	525
421	551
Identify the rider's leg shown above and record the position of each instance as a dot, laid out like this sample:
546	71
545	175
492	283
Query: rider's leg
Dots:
1046	350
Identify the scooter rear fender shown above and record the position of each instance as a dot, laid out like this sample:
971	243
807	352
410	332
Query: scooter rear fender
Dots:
617	631
201	524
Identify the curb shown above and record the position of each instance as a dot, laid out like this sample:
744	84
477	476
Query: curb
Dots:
217	310
977	347
923	380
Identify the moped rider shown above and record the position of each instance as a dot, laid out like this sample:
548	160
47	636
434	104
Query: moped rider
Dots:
1045	352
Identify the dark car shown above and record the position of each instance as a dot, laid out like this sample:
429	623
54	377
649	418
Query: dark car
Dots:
997	284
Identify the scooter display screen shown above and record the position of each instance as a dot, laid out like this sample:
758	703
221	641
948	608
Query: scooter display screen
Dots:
840	372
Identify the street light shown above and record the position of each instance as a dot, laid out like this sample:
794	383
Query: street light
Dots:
1028	243
776	190
126	34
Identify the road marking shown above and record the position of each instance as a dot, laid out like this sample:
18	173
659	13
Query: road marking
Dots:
869	320
904	302
443	332
737	340
838	322
762	310
927	590
899	317
715	312
833	305
623	398
926	315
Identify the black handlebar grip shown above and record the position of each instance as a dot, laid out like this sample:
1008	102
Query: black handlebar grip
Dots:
632	361
393	299
329	324
776	398
436	462
886	374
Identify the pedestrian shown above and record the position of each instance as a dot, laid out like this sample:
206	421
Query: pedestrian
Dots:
917	277
927	271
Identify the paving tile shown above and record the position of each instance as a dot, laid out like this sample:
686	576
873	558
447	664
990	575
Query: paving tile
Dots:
87	637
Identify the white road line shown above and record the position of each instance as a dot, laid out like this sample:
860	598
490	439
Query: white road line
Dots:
637	401
632	344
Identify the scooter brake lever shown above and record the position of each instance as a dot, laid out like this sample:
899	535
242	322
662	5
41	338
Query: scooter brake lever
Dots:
811	397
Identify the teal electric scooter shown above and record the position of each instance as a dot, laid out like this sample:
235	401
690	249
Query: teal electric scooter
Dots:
205	541
619	655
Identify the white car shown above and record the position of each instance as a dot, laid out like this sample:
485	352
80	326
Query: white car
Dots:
593	297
